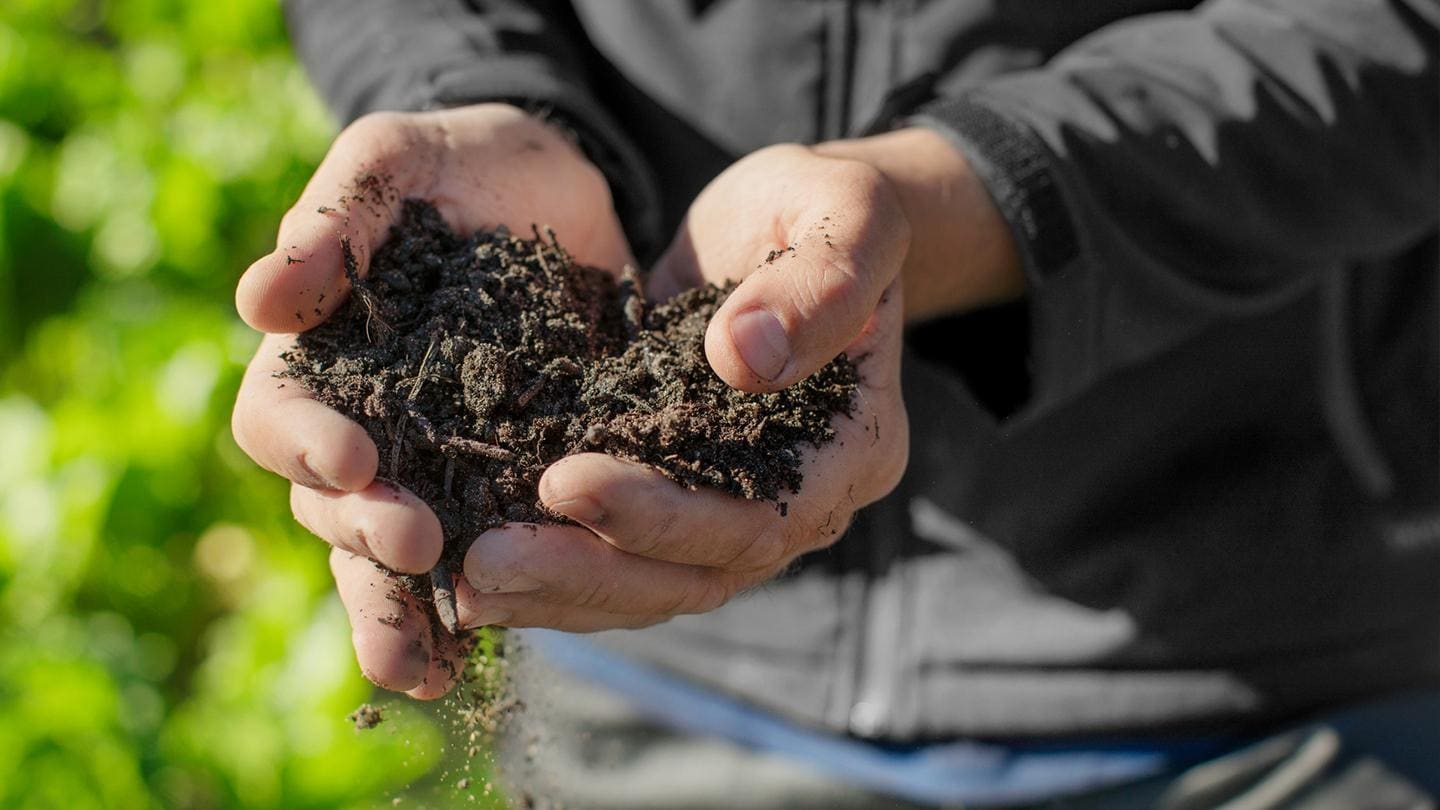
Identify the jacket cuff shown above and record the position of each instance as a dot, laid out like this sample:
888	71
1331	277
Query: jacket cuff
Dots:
1023	178
525	84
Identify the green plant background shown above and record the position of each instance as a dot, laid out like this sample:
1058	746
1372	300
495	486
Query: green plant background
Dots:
168	638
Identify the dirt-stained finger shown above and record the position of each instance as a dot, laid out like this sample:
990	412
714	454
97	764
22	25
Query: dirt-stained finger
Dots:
570	566
279	425
529	610
390	632
447	661
637	509
384	522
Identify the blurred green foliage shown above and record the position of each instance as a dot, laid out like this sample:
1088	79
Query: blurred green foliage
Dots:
167	637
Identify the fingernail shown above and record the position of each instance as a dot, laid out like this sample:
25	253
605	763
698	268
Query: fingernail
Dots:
488	616
317	481
761	341
582	509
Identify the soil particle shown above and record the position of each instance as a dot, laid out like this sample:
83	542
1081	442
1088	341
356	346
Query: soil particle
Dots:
366	716
476	362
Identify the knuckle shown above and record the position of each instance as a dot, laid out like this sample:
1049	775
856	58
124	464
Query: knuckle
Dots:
375	125
240	428
807	293
594	594
766	549
713	592
865	179
376	137
705	593
298	213
839	283
652	537
641	622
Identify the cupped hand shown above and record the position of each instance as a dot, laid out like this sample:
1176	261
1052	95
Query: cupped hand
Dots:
482	166
818	243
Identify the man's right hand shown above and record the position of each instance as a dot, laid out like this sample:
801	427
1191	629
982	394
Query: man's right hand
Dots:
482	166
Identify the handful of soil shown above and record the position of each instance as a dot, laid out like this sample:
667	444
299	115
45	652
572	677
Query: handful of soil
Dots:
476	362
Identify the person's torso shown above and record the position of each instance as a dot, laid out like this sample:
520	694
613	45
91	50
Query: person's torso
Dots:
1198	539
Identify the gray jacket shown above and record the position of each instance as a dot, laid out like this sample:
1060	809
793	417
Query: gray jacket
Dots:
1193	481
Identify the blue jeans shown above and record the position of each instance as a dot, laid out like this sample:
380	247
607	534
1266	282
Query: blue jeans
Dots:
1400	738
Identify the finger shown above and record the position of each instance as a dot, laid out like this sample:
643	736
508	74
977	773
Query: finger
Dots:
446	666
351	196
384	522
571	567
801	309
638	510
390	632
284	430
529	610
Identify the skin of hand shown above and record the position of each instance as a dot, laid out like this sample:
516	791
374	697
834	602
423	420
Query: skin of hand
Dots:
647	549
483	165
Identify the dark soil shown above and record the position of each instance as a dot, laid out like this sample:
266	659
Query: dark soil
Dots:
475	362
366	717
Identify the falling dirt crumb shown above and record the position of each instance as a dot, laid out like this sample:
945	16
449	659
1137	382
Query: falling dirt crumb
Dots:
366	716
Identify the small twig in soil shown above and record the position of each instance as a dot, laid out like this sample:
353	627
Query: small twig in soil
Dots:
475	448
420	375
456	443
397	441
427	428
530	393
362	291
443	583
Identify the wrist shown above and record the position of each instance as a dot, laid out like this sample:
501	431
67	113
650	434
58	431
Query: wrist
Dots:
962	255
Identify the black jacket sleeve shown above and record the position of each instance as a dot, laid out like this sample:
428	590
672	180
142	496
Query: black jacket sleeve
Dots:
369	55
1172	170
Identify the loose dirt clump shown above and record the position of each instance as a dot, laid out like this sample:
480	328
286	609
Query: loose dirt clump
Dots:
475	362
366	717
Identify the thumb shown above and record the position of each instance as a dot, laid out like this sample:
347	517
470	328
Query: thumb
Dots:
811	298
